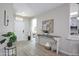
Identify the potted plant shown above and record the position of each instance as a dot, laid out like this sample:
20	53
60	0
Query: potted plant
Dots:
11	38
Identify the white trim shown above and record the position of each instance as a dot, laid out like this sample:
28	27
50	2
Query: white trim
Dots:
67	53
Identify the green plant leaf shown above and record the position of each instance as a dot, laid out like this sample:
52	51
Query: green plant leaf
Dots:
9	34
2	41
5	35
13	38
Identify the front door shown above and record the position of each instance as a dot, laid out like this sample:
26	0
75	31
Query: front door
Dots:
19	29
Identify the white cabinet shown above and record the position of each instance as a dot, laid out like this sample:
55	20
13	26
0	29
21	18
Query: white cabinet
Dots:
74	45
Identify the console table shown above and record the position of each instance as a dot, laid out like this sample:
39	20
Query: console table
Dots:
55	38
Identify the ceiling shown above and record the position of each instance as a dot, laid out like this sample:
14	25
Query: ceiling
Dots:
33	9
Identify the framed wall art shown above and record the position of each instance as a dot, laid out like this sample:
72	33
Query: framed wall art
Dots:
48	26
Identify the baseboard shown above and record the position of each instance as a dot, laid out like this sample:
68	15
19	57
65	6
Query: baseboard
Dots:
65	52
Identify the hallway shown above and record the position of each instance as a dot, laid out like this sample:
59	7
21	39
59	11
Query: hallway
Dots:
29	48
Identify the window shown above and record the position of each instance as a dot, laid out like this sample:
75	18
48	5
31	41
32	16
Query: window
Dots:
34	25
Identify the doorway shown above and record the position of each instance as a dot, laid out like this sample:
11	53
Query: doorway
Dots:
19	28
34	30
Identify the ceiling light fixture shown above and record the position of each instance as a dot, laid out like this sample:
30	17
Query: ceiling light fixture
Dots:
21	14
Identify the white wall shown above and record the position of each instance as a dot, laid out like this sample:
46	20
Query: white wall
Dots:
61	20
61	24
73	7
10	13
